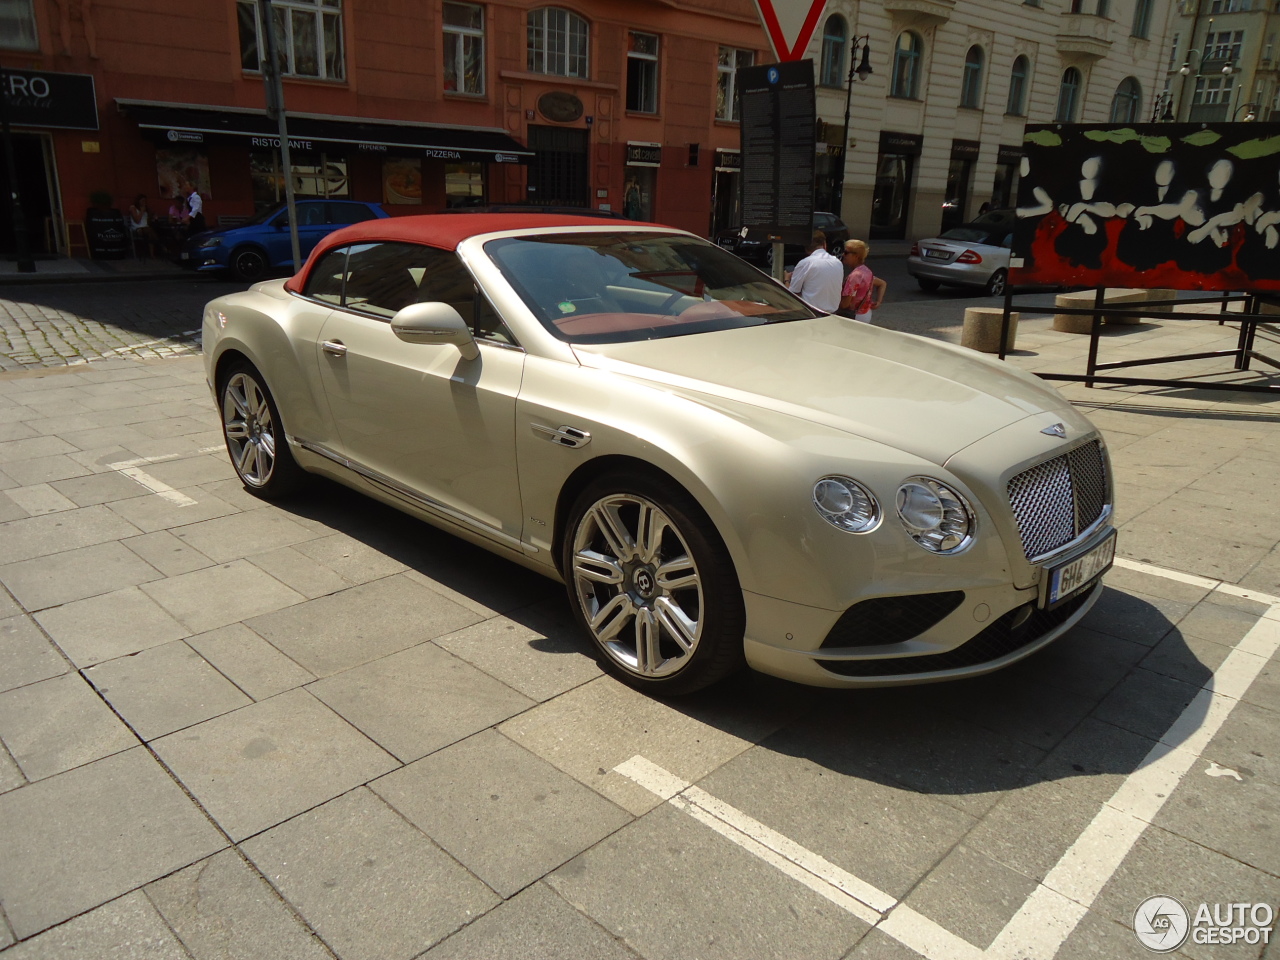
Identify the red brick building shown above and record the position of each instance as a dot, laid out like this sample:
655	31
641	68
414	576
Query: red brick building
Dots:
420	105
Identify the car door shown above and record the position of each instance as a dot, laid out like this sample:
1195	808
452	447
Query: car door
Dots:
418	418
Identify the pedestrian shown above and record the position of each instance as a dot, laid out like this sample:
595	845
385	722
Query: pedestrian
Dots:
139	224
631	199
817	278
863	291
195	210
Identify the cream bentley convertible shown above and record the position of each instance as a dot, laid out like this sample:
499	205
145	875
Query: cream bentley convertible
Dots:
719	473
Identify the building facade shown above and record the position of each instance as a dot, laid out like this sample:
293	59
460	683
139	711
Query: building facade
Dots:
426	105
1223	61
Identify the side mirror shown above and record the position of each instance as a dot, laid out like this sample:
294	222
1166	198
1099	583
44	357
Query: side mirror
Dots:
435	323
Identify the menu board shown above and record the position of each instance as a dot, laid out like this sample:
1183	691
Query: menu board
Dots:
776	111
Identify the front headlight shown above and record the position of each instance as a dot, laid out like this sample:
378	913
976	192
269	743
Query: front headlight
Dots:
935	516
846	504
211	242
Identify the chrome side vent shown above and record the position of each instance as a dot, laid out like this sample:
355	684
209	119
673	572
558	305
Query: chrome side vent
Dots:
562	436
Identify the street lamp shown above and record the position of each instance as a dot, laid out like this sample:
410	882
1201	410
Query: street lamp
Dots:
1251	112
861	72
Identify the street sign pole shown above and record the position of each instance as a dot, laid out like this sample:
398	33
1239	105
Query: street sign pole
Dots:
275	108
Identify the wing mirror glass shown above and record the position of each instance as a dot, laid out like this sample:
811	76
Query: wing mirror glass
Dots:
435	323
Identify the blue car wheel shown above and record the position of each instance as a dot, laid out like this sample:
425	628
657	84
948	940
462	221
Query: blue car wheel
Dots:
248	264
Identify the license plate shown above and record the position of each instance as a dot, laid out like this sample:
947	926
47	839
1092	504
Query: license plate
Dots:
1069	579
184	255
938	254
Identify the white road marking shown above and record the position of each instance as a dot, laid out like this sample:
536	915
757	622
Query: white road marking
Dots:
1060	902
132	470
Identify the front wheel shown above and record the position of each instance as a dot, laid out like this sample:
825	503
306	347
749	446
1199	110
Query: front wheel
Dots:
996	283
249	264
652	583
255	439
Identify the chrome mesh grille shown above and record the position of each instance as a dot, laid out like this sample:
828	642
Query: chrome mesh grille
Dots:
1057	499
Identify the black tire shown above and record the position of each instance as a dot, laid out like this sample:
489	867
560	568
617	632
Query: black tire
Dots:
256	443
927	285
249	264
996	283
694	622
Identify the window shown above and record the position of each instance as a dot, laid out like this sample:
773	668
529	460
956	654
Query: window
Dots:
1068	96
464	184
557	43
347	213
971	83
1224	45
18	25
728	64
906	66
1226	6
1127	101
642	72
327	277
1213	90
834	37
1103	8
1018	76
1173	52
326	178
309	32
1142	19
1077	6
463	48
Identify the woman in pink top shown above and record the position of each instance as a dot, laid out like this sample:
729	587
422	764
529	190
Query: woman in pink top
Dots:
862	291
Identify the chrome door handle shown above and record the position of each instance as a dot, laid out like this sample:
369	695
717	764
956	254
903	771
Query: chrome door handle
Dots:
335	348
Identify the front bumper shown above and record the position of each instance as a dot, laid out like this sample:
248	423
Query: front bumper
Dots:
990	628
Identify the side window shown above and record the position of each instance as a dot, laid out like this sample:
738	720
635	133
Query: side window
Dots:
311	214
383	278
325	281
488	325
349	213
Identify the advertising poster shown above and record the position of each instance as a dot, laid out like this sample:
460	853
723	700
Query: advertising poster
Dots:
1161	205
402	180
175	166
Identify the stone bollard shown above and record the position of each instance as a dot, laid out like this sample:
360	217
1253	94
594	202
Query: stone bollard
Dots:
982	329
1073	322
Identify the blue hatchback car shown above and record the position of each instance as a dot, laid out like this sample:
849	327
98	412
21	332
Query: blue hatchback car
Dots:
253	249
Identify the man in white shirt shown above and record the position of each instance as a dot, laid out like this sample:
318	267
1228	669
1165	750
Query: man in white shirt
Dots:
817	278
195	210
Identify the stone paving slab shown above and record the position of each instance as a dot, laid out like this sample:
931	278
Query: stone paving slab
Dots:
335	696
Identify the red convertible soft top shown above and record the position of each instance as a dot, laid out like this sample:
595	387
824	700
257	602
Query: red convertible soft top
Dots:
443	230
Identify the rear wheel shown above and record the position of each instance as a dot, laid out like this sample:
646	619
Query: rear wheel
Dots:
249	264
928	286
652	583
255	439
996	283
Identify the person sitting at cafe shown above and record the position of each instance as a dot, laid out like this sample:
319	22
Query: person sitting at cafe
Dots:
139	224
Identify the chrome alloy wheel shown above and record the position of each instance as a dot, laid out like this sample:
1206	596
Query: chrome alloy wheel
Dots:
249	429
638	585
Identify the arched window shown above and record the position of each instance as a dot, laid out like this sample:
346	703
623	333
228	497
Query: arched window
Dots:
971	84
1127	101
1018	77
1068	96
557	43
1142	19
906	66
834	41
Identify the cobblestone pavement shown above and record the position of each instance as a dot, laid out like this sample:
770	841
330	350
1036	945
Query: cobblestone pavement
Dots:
58	325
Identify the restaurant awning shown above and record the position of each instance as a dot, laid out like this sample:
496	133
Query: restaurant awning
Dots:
180	123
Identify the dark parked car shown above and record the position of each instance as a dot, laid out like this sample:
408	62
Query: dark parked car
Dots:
254	249
760	252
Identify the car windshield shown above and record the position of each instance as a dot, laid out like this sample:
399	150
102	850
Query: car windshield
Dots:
622	287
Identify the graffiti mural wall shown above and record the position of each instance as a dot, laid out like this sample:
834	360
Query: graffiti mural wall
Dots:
1181	206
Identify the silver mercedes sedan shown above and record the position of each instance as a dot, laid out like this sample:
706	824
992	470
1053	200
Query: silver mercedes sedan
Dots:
718	474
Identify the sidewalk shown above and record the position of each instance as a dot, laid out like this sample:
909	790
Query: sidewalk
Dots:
85	269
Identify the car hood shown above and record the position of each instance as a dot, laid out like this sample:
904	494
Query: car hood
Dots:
927	398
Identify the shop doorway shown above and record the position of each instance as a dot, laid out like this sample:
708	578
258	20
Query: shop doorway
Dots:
33	160
558	171
955	207
889	205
